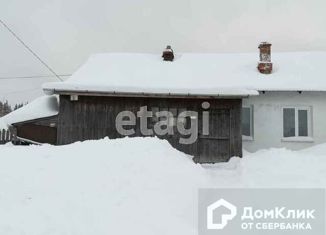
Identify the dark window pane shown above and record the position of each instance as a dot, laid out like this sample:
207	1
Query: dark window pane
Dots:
288	122
303	122
246	128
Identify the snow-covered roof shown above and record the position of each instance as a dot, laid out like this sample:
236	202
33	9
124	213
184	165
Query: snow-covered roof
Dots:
44	106
215	74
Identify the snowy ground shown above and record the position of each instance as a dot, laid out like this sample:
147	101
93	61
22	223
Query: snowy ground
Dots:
130	186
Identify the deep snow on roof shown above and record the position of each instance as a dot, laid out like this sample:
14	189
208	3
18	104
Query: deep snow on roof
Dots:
228	74
44	106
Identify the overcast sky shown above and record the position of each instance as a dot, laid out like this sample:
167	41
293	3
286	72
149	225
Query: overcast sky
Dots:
65	32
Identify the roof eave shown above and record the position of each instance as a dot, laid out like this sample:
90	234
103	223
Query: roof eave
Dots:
148	94
33	120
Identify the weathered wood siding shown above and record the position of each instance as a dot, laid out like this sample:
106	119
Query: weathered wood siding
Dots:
93	117
40	130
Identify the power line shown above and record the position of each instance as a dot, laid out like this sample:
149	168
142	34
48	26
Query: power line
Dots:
31	51
35	76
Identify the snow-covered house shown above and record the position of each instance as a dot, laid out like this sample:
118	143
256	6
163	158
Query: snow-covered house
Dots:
283	101
92	100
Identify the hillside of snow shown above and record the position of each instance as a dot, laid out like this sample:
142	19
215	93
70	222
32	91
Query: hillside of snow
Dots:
130	186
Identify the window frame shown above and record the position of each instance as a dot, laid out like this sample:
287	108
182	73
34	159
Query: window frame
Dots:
298	138
251	137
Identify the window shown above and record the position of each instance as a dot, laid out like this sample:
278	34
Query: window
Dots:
247	123
296	122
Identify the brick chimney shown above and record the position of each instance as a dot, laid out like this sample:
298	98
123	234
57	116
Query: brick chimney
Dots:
168	54
265	64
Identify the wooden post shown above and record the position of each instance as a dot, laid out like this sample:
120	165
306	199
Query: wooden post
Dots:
13	135
3	136
7	136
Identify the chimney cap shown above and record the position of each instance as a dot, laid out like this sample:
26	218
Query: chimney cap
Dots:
168	54
264	44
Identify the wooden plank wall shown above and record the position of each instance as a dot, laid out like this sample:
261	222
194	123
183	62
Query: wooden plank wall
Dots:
94	117
37	133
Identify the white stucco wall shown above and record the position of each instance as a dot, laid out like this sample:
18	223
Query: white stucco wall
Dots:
268	119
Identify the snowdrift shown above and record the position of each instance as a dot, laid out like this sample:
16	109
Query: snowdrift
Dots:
130	186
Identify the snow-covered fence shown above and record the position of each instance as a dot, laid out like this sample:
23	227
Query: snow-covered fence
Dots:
7	136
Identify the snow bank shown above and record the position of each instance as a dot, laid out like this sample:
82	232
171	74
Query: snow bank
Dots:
44	106
131	185
211	74
3	125
283	168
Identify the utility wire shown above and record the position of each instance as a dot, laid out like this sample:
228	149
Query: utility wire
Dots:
31	51
36	76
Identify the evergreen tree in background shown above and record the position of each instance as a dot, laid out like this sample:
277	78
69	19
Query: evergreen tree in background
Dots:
17	106
5	108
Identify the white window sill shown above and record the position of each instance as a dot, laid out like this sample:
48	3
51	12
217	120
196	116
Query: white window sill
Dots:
298	139
247	138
